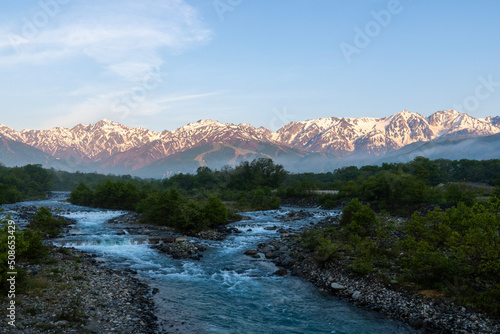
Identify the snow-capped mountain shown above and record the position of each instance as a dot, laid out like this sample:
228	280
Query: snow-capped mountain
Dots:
109	146
379	135
84	143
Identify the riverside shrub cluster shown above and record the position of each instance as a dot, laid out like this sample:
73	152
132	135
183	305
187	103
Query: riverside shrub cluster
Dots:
46	224
169	208
28	248
455	251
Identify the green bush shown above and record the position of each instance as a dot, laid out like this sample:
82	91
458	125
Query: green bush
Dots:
359	219
169	208
454	194
361	266
326	250
459	244
327	201
28	247
82	195
44	222
24	183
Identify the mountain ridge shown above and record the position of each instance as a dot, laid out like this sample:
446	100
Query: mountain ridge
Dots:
109	145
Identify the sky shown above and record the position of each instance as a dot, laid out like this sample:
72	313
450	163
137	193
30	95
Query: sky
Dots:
161	64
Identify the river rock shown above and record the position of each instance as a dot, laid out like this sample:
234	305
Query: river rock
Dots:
181	239
337	286
281	272
356	295
251	252
270	255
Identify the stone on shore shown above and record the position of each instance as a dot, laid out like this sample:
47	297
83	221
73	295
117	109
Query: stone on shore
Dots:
337	286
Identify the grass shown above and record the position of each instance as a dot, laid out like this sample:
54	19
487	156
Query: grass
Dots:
39	283
73	314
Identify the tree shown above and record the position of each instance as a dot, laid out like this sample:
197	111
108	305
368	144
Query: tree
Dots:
82	195
259	173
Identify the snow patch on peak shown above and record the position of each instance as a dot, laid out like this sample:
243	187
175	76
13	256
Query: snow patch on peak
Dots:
107	122
198	124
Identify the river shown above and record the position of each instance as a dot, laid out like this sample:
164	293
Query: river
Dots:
226	291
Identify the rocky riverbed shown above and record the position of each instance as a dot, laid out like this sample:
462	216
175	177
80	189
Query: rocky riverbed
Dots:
72	292
168	241
424	310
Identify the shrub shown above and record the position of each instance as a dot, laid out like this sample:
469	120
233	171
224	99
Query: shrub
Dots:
46	223
169	208
28	246
326	250
359	219
82	195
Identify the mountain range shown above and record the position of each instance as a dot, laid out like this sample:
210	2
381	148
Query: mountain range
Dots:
321	144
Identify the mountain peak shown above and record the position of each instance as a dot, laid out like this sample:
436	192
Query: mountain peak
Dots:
107	122
199	124
109	144
407	114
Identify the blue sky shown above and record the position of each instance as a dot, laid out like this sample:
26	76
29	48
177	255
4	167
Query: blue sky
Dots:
163	64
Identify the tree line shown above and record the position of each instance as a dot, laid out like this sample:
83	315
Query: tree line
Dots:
190	203
24	183
401	188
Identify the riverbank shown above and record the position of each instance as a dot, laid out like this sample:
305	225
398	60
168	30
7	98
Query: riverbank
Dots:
425	310
72	292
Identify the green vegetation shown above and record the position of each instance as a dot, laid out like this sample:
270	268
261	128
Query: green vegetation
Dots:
21	247
45	223
448	241
24	183
27	245
169	208
456	251
400	188
66	181
190	203
109	195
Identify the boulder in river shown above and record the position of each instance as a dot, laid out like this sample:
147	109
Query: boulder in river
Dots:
281	272
181	239
251	252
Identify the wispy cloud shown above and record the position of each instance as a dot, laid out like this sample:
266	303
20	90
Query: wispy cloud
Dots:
178	98
111	47
97	107
115	33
